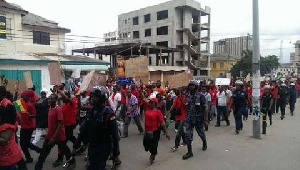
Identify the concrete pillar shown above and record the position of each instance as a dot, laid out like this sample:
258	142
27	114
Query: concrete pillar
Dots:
173	59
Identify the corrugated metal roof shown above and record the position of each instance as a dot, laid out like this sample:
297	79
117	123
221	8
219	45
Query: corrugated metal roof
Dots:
53	57
35	20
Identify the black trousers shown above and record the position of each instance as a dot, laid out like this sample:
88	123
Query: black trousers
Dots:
25	142
98	155
151	145
180	134
69	130
62	146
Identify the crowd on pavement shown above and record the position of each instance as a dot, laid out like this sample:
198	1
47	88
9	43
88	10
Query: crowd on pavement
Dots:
104	114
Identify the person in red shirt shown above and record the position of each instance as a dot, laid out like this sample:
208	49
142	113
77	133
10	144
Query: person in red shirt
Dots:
213	104
69	120
179	103
56	134
154	122
28	125
11	154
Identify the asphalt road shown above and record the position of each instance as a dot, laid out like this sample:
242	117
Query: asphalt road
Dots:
278	149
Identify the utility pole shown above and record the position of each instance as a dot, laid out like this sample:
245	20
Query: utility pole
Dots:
256	71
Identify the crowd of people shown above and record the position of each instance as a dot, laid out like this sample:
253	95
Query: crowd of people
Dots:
104	113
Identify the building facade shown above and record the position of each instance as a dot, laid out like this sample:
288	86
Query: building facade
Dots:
295	56
233	47
29	42
220	65
180	24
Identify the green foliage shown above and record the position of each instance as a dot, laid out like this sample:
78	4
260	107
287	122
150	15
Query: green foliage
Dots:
245	64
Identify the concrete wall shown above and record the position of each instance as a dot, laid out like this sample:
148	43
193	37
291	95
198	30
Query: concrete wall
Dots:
20	38
43	67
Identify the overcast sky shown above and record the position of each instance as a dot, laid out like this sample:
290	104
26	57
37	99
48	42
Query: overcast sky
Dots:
279	19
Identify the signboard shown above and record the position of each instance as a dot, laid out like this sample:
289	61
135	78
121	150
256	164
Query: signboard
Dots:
180	80
120	66
222	81
2	27
28	79
13	84
55	73
86	81
92	79
97	80
137	67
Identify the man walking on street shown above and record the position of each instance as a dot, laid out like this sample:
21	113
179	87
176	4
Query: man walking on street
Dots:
132	112
222	106
267	101
196	106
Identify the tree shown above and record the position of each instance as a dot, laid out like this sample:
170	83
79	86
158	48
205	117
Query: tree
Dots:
245	64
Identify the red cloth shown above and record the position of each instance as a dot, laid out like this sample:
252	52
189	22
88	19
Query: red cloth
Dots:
123	95
55	115
262	91
28	122
137	94
153	120
249	91
274	91
69	112
161	90
10	153
213	94
178	104
297	86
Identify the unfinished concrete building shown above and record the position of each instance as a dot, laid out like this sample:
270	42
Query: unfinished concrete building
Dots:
178	24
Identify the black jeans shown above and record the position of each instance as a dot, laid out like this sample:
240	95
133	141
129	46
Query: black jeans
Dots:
222	111
25	138
180	134
69	137
282	105
62	146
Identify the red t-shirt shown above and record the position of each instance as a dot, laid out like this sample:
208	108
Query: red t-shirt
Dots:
153	120
10	153
137	94
69	112
123	95
213	94
274	91
54	116
28	122
178	104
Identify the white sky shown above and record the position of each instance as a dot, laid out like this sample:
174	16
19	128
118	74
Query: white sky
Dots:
279	19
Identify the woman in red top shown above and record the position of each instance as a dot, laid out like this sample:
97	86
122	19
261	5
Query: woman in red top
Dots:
179	103
154	121
10	152
28	125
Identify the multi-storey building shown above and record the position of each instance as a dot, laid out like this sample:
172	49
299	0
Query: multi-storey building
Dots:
295	56
180	24
29	42
233	47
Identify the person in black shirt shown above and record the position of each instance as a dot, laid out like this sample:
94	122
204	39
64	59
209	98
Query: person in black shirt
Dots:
282	94
267	102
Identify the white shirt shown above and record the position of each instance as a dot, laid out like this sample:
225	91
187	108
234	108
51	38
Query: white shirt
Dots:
114	103
222	98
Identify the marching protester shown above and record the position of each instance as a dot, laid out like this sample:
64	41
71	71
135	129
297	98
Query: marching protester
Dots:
55	135
293	98
131	112
42	109
208	100
154	122
115	101
267	102
69	120
239	103
11	156
100	129
28	125
222	106
196	107
282	99
180	114
213	104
